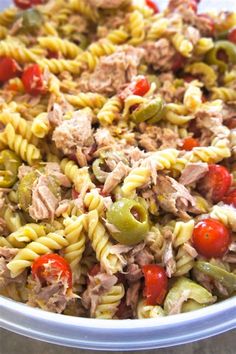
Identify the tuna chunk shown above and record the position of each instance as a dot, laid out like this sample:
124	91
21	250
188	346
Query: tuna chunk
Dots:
113	71
173	197
74	132
44	202
193	172
115	177
6	255
159	54
107	4
154	138
53	169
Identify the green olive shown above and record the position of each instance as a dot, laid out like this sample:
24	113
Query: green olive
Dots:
32	20
25	190
192	305
26	186
9	164
148	112
228	48
130	219
100	175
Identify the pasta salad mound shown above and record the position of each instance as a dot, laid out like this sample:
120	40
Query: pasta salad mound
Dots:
117	157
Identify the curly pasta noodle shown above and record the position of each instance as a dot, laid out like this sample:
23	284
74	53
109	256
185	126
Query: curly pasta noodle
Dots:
79	176
17	52
148	311
136	26
76	239
156	242
207	73
40	125
25	150
94	201
43	245
203	46
26	234
101	48
226	214
118	36
17	292
89	99
101	244
109	302
13	219
139	176
8	16
84	9
223	93
5	243
57	66
65	47
110	111
87	60
182	45
193	98
20	125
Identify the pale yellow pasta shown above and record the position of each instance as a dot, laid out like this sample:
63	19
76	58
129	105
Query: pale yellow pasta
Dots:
54	43
17	52
89	99
226	214
110	111
182	45
26	234
148	311
40	125
57	66
136	26
109	302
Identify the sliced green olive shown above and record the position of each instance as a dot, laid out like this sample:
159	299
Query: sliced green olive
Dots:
32	20
226	278
192	290
100	175
225	47
148	112
9	164
130	219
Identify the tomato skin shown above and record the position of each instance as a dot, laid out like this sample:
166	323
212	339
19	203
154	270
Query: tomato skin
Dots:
32	79
156	284
189	144
231	123
211	238
26	4
232	35
230	198
138	87
153	5
216	183
8	68
51	266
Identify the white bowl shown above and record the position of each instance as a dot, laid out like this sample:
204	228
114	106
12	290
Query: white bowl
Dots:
120	334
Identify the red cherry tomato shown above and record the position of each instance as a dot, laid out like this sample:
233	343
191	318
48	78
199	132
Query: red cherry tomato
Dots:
189	144
52	267
178	62
32	79
156	284
153	5
211	238
216	183
8	68
230	198
232	35
26	4
138	87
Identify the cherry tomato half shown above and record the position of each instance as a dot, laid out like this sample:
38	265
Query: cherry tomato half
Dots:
232	35
51	267
153	5
8	68
156	284
230	198
189	144
32	79
216	183
211	238
138	87
26	4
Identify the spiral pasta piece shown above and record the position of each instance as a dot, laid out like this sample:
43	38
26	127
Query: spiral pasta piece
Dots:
101	48
223	93
182	45
118	36
57	66
226	214
109	302
43	245
26	234
203	46
25	150
84	8
87	60
101	244
110	111
17	52
136	25
94	201
76	239
148	311
67	48
89	99
40	125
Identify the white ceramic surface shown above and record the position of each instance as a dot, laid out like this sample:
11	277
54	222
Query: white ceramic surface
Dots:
127	334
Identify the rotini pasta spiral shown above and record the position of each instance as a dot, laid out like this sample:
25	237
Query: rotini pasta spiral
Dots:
109	302
67	48
110	111
26	234
148	311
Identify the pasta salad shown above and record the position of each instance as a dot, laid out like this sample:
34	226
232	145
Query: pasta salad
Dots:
117	157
